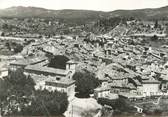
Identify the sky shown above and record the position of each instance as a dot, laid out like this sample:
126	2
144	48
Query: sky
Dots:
99	5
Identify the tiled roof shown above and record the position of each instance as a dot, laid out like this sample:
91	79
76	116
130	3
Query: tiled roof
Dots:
150	81
105	88
149	34
129	95
71	62
46	70
25	62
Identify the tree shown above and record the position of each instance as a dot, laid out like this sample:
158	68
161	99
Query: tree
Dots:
46	103
20	85
86	82
7	44
58	62
3	93
18	48
5	26
3	90
154	38
2	34
18	89
156	24
14	88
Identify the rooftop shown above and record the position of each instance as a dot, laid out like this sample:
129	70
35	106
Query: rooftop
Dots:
149	34
71	62
38	78
29	61
150	81
130	95
46	70
105	88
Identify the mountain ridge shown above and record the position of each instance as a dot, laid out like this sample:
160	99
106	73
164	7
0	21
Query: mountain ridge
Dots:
22	12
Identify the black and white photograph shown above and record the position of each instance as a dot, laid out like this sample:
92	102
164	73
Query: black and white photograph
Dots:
83	58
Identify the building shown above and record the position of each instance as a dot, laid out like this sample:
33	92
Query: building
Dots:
104	92
53	79
46	77
150	88
61	84
148	35
49	83
21	64
3	72
51	72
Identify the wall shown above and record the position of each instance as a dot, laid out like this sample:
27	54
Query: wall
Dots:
102	94
149	89
69	90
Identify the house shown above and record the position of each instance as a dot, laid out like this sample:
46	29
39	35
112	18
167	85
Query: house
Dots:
131	96
53	72
148	35
3	72
46	77
25	62
46	71
60	84
104	91
53	79
150	87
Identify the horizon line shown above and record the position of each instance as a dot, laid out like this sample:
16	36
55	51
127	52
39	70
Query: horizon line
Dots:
84	9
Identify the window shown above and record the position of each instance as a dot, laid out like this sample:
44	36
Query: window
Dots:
57	78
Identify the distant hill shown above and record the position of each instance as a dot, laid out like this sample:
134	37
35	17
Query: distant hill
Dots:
146	14
23	12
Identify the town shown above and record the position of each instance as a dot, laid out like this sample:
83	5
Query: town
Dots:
73	71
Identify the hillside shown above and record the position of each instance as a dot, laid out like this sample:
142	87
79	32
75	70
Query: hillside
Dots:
145	14
23	12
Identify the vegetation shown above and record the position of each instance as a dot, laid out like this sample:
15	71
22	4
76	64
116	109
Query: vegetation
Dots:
20	85
3	90
86	82
58	62
156	24
18	97
13	46
154	38
45	103
105	25
3	93
120	105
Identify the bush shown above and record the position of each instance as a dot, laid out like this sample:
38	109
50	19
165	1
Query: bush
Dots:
18	48
13	89
46	103
154	38
20	85
58	62
85	82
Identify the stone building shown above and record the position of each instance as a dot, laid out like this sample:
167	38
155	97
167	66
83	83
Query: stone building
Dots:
46	77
